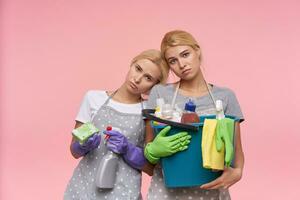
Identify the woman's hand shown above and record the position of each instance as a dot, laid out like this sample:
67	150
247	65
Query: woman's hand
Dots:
229	177
163	146
79	150
116	142
132	154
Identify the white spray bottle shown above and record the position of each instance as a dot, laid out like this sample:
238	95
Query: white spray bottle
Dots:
220	110
107	170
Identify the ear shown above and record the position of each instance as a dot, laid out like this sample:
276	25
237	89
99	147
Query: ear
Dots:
198	52
145	96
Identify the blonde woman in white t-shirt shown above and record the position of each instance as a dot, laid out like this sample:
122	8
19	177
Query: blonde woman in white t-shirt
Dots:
121	109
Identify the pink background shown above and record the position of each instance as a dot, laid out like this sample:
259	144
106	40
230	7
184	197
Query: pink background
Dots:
53	51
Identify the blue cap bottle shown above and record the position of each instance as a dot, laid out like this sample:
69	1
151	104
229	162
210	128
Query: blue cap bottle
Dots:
190	106
190	116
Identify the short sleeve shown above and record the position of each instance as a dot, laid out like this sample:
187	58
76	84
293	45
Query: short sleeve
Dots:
84	114
233	107
151	102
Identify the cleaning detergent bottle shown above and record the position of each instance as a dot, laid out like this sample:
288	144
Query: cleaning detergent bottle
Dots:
159	104
189	115
107	170
167	111
177	113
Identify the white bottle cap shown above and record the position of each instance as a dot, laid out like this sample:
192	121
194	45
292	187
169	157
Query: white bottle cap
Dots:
219	108
219	105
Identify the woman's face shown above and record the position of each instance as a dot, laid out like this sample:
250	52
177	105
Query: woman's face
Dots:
142	76
184	61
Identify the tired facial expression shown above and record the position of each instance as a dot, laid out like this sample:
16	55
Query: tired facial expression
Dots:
142	76
184	61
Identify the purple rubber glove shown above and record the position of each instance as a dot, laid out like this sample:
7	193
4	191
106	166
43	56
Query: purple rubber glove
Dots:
91	144
133	155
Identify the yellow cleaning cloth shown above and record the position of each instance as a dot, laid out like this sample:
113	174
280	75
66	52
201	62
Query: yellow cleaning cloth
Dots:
212	159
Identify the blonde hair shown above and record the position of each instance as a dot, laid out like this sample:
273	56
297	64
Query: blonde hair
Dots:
178	38
155	56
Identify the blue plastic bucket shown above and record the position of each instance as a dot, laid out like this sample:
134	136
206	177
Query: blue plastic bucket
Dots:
185	169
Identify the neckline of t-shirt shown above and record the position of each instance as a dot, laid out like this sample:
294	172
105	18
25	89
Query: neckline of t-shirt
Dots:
122	104
214	87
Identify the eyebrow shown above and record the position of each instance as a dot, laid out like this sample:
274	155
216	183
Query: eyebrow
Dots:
147	74
181	53
137	65
171	58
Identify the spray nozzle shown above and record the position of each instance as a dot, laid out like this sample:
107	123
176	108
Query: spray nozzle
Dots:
108	128
220	110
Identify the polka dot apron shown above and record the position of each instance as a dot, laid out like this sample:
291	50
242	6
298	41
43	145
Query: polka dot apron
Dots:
128	180
158	190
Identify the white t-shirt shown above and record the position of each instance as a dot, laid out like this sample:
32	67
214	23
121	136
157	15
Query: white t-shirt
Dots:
94	99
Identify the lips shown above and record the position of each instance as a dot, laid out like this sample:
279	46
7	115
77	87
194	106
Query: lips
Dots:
186	71
133	86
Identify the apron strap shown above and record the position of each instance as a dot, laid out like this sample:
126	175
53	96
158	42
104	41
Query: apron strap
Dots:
210	94
109	97
176	93
105	103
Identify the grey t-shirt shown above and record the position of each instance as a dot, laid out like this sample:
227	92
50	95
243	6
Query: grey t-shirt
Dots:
204	104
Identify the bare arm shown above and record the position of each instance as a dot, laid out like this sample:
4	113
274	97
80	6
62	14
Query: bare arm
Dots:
239	154
230	175
148	167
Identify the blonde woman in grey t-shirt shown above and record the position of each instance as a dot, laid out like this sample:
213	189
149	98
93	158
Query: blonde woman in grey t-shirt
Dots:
183	55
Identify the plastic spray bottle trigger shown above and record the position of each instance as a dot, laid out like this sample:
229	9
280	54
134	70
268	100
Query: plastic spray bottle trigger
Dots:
107	170
108	128
220	110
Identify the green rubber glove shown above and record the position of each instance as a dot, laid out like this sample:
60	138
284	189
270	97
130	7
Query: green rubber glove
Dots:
224	135
163	146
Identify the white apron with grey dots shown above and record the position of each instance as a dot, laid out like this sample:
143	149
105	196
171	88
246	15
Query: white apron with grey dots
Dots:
158	190
128	180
